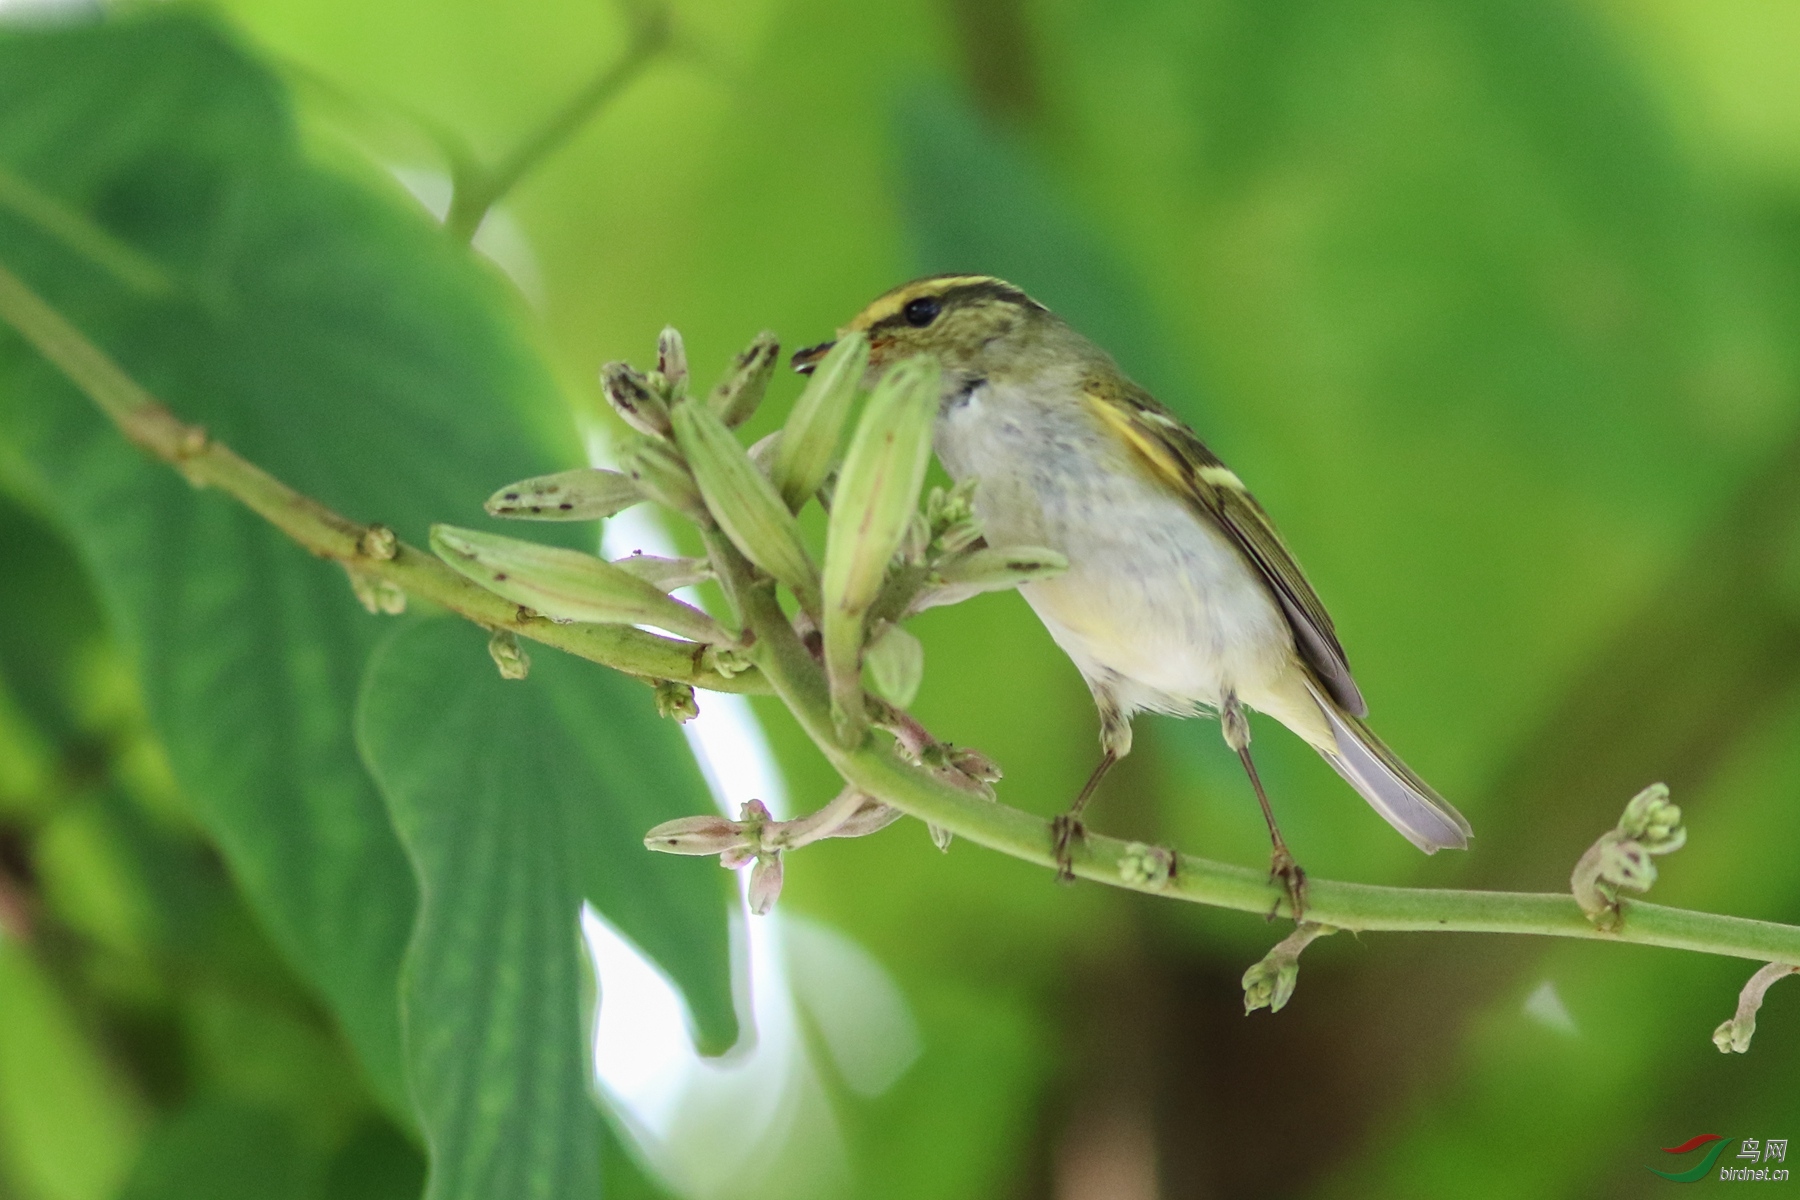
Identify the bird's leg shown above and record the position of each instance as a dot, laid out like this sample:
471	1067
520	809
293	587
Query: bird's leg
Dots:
1282	866
1115	743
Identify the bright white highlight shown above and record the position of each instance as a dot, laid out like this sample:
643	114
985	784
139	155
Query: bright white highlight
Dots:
1545	1006
756	1124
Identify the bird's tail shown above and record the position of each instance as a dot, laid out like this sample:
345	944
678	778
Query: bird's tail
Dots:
1407	802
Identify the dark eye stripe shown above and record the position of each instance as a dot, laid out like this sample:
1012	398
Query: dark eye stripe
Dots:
968	293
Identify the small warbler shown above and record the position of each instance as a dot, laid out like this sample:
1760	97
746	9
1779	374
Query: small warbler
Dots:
1179	597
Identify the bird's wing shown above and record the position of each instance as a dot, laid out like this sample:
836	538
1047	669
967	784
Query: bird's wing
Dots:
1175	455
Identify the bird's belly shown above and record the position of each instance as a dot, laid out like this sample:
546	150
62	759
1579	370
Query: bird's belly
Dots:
1162	601
1157	603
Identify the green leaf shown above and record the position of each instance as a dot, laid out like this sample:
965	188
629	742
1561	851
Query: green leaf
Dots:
47	618
325	332
518	801
221	1150
69	1125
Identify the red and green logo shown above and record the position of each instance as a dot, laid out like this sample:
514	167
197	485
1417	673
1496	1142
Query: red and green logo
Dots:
1715	1144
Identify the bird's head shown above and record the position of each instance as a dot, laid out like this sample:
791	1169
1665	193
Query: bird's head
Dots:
976	326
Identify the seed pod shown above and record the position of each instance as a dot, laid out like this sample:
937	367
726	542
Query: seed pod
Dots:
744	503
584	494
666	573
634	399
872	817
895	662
657	471
671	361
877	494
996	568
697	835
809	440
567	585
736	397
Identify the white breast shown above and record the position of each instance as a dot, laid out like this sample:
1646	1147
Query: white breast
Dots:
1157	606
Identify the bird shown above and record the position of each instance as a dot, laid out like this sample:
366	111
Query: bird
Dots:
1180	597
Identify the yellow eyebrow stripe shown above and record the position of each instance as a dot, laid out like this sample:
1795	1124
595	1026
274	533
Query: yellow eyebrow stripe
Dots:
886	306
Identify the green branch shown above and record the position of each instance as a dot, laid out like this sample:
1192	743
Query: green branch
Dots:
92	241
476	189
370	551
791	672
800	683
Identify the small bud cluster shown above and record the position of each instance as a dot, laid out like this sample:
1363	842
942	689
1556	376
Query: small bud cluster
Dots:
1146	866
1622	857
508	655
1270	983
886	557
758	841
1734	1035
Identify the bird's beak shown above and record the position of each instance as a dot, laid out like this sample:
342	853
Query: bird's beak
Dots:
805	360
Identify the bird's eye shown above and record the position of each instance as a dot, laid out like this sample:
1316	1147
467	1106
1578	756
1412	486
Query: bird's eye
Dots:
921	312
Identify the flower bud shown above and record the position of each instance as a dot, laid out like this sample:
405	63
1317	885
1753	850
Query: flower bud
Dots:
736	397
1270	985
634	399
508	655
567	585
765	883
729	661
1144	865
809	440
657	471
584	494
666	574
375	594
995	569
696	836
379	543
676	701
895	661
872	817
763	451
744	503
671	361
877	494
975	764
1627	864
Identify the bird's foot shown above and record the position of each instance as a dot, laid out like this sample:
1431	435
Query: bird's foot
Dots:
1065	831
1285	871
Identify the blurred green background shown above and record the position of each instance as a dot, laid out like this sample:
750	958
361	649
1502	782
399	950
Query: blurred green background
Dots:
1495	305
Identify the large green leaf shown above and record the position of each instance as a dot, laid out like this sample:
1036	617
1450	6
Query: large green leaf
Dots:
325	332
517	802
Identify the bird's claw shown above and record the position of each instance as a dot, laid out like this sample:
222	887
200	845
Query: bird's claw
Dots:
1065	831
1285	871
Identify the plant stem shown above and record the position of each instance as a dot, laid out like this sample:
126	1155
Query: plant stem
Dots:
326	533
478	189
92	241
800	684
787	669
